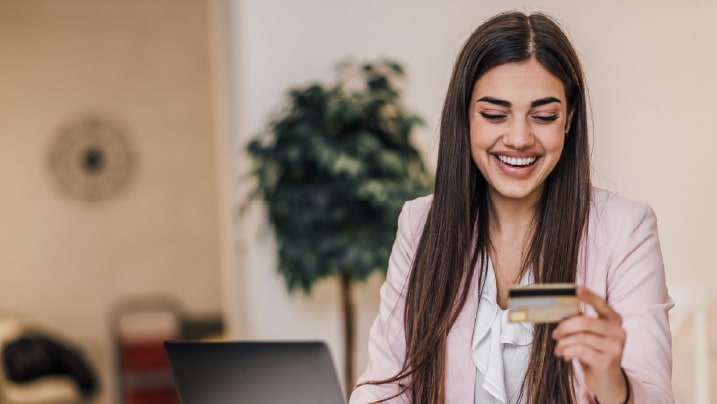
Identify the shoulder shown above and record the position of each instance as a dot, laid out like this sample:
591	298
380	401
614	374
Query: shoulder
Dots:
414	213
420	204
610	212
622	238
411	222
604	201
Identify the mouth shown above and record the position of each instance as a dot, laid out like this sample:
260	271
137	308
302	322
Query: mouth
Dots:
517	162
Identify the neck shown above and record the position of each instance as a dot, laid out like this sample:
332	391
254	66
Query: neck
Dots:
510	232
511	217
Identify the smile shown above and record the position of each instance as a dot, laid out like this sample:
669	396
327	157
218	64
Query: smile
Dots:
517	161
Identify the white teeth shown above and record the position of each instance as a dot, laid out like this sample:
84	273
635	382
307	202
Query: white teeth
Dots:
516	161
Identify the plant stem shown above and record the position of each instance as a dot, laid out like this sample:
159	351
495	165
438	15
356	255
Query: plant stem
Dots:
348	317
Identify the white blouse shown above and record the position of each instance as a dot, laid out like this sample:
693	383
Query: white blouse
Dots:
500	349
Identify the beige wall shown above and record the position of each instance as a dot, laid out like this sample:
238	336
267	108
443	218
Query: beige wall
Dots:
650	70
145	63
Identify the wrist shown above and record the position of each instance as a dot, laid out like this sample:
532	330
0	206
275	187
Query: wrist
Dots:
627	395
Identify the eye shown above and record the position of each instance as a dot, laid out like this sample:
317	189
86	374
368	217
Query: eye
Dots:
493	117
546	118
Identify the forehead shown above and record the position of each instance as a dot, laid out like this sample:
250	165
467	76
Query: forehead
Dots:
524	81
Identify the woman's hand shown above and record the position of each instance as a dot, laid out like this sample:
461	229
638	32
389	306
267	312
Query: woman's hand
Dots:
597	343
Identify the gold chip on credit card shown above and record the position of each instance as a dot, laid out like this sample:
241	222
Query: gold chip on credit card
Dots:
543	303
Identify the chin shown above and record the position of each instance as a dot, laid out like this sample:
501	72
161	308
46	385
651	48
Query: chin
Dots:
516	193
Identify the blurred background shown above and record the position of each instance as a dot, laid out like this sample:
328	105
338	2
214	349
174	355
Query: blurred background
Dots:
123	126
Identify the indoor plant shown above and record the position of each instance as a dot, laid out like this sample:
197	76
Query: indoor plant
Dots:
334	168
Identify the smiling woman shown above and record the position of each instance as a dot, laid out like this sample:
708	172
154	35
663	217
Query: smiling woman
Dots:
513	195
518	122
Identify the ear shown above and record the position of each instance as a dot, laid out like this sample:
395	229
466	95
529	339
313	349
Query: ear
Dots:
568	122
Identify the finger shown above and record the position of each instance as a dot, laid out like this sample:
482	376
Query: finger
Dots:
585	354
601	306
607	346
585	324
590	359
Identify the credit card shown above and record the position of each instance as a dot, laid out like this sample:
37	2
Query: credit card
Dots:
543	303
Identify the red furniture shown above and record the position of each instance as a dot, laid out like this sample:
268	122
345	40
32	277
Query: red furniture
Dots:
139	328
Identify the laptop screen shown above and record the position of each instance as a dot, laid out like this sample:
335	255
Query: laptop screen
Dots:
253	372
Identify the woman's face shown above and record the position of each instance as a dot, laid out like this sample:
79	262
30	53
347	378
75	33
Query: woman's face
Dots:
518	122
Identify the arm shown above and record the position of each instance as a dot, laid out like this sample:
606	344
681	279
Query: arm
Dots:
386	347
637	290
628	328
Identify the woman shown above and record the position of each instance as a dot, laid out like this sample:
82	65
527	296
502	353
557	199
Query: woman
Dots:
513	204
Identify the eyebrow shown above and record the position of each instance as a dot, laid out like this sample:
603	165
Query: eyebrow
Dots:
507	104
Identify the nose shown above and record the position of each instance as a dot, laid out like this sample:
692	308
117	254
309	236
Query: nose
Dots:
519	135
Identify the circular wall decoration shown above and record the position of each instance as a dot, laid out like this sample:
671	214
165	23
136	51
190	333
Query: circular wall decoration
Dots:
91	159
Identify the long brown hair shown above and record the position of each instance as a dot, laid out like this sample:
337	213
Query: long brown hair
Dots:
456	238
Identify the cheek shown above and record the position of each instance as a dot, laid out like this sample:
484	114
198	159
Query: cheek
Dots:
552	140
482	136
482	139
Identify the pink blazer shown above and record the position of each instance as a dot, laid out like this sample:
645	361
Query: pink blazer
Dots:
623	262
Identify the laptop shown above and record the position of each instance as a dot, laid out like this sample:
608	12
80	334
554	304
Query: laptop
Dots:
238	372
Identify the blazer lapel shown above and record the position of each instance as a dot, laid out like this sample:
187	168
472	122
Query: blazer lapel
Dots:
460	369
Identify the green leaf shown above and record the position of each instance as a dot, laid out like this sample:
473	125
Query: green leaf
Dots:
334	167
